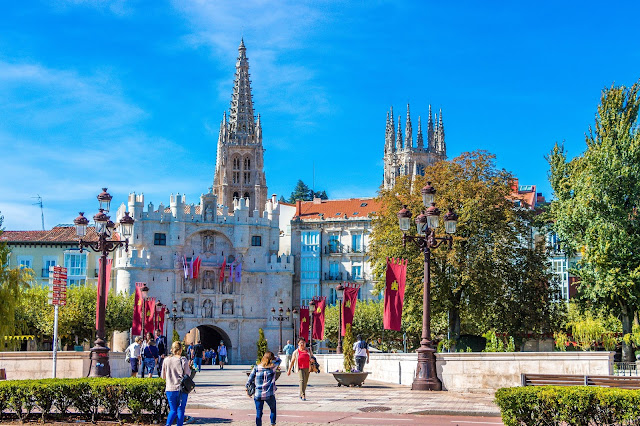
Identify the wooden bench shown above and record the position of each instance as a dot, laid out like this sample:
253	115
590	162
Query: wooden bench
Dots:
3	374
578	380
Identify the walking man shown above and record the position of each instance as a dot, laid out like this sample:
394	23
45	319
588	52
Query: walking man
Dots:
161	344
198	353
222	354
288	351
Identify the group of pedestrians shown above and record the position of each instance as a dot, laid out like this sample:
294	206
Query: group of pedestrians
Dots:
199	355
147	355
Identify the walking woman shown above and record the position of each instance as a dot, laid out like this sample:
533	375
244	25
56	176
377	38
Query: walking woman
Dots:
173	368
264	377
301	358
150	356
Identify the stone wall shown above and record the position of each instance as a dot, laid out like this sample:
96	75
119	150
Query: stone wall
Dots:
480	371
39	365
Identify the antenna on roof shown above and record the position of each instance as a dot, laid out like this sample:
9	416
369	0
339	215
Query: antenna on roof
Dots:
39	203
313	181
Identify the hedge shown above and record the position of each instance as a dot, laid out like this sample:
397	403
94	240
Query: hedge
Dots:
84	397
570	405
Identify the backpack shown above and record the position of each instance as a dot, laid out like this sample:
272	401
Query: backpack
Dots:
127	354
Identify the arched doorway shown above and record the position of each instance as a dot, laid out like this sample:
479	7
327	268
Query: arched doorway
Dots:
211	336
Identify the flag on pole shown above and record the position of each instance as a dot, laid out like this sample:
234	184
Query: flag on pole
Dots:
136	326
349	299
224	265
318	318
394	293
184	267
149	312
304	323
231	272
238	272
196	270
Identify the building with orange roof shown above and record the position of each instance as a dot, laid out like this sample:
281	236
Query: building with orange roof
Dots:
330	239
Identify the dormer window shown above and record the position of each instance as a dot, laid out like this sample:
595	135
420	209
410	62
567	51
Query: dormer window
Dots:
363	205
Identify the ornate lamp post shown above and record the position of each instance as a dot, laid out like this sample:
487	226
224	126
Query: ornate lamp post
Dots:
174	314
340	292
296	315
104	228
280	318
312	309
145	294
426	223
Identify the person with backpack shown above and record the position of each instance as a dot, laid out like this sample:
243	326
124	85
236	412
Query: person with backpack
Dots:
361	351
174	368
150	356
263	376
132	355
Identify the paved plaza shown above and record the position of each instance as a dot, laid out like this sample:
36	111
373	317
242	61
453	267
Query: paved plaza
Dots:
220	398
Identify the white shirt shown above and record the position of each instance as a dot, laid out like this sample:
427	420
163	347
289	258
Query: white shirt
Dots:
360	351
134	350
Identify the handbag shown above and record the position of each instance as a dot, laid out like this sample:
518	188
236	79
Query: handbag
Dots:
187	384
314	367
251	388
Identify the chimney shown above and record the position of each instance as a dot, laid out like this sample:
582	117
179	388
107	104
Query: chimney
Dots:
317	200
514	185
298	207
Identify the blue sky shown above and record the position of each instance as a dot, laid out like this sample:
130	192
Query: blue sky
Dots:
130	94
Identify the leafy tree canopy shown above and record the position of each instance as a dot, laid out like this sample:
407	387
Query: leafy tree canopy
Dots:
596	206
304	193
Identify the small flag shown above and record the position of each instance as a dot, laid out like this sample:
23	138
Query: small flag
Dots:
394	293
349	305
304	322
224	265
318	318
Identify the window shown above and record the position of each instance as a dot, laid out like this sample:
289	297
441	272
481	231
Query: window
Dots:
332	296
334	243
247	177
25	261
363	205
76	264
334	270
47	262
420	169
159	239
247	163
356	243
236	163
236	177
356	272
256	240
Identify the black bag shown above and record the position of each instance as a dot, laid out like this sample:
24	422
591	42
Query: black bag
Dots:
187	384
251	387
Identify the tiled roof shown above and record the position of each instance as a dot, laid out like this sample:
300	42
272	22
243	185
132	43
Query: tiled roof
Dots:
337	209
58	234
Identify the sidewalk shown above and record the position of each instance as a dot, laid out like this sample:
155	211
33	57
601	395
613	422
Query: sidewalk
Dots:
223	391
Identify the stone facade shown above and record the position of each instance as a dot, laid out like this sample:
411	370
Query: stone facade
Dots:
225	231
402	157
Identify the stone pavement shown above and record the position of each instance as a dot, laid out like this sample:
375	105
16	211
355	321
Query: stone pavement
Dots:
222	391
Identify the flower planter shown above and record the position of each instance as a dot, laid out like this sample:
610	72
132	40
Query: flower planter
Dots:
278	372
350	379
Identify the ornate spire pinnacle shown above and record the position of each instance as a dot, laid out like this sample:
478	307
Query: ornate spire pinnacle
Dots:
419	138
389	136
399	142
408	137
241	120
441	146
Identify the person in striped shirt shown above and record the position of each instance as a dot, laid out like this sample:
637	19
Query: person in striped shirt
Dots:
264	377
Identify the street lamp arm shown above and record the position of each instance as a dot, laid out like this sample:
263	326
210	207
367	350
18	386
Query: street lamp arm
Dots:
428	242
103	245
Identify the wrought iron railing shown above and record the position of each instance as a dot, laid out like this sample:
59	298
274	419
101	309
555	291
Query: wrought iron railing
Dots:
625	369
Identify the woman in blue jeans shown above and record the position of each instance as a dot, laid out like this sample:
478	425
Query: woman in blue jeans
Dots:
173	368
264	376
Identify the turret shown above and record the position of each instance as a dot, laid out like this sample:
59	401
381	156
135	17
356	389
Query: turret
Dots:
408	132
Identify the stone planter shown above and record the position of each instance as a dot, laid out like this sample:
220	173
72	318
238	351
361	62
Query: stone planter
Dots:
278	372
350	379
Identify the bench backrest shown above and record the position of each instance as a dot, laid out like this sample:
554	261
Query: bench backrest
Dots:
578	380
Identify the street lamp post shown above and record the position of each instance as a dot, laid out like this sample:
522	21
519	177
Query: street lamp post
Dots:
426	223
295	315
280	318
174	315
104	228
340	292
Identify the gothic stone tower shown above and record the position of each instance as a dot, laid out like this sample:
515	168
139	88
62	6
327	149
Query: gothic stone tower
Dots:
239	163
401	157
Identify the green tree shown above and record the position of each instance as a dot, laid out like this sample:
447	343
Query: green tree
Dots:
12	282
347	350
491	259
304	193
261	345
596	207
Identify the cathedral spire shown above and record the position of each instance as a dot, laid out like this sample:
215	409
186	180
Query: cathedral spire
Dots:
419	139
241	120
430	132
408	137
441	147
399	142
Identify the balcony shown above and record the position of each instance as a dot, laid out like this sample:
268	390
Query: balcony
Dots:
333	277
334	249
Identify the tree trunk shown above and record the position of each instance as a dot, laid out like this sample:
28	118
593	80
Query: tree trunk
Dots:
454	323
628	355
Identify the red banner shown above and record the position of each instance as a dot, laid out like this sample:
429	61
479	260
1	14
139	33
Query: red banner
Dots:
304	323
350	297
136	326
224	265
149	313
394	293
318	318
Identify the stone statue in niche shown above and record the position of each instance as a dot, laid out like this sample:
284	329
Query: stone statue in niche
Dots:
188	286
207	211
187	306
208	243
227	307
207	283
208	309
227	288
